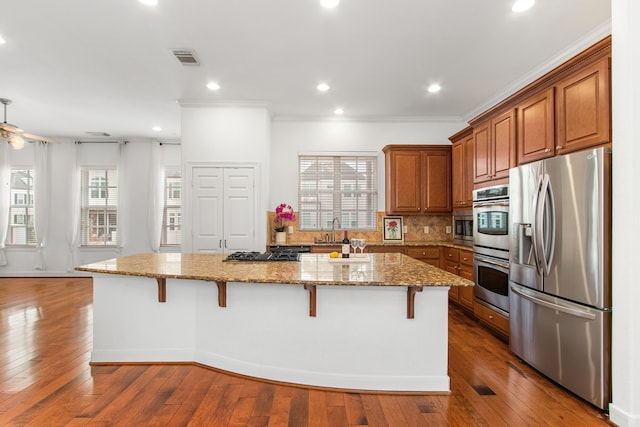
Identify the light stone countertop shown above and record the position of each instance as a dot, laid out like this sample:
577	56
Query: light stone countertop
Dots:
405	244
382	269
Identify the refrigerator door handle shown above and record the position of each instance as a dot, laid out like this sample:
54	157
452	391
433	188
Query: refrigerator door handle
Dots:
535	231
562	308
548	241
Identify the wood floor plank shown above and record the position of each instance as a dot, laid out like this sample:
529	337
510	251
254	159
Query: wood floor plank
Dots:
46	379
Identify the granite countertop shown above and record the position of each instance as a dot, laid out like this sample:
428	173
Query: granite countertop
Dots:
406	244
382	269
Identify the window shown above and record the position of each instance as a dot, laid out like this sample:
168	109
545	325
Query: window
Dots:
99	207
337	186
21	224
171	219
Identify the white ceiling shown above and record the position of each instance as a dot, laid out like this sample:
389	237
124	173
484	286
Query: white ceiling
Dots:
86	65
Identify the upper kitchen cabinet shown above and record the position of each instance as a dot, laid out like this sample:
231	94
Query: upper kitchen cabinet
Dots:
418	179
567	109
462	168
494	148
536	132
583	108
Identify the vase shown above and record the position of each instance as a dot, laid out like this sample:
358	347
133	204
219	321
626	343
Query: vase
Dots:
281	237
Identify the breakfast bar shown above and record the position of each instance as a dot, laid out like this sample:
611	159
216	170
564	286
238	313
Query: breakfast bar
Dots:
374	322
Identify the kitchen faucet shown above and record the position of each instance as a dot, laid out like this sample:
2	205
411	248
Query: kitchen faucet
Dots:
333	228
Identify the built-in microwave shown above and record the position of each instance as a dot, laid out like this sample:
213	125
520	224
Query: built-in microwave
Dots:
463	228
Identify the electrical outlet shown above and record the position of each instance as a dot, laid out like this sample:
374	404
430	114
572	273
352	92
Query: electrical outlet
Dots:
404	228
290	229
448	229
426	229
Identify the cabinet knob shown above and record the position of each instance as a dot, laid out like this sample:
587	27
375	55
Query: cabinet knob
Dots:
547	150
490	317
449	254
558	147
418	209
465	259
424	254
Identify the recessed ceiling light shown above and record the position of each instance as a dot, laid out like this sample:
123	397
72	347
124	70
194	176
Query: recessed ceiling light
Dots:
2	40
323	87
329	4
338	111
156	128
149	2
522	5
213	86
434	88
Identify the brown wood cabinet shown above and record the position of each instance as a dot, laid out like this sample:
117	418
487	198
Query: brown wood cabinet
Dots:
536	127
462	169
418	179
583	108
492	319
494	148
428	254
465	297
386	249
460	262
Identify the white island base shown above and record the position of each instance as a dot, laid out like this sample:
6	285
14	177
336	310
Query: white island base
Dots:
360	339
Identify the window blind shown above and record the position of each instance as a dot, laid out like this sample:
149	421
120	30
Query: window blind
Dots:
337	186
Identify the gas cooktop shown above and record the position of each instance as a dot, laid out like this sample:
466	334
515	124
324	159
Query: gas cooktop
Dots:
284	255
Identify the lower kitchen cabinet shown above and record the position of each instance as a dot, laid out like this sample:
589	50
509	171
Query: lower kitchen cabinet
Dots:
460	263
386	249
493	320
465	269
428	254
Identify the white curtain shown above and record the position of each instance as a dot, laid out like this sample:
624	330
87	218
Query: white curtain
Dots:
5	198
156	196
122	185
41	199
73	186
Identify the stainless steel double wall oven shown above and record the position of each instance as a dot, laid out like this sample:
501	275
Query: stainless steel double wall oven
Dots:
491	247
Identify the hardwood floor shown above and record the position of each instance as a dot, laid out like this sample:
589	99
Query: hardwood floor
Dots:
46	380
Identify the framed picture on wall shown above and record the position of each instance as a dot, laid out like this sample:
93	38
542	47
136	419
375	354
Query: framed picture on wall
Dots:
392	229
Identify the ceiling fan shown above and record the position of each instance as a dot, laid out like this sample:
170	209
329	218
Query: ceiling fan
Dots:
13	134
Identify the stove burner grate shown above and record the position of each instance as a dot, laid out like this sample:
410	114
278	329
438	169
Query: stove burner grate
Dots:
284	255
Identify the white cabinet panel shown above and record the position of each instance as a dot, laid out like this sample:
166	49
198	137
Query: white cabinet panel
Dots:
223	209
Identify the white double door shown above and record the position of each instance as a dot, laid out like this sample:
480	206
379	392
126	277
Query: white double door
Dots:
223	210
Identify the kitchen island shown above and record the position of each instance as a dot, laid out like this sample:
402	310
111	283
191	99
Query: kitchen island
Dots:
378	323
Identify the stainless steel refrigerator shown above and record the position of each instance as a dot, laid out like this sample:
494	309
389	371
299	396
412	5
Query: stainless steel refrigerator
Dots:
560	270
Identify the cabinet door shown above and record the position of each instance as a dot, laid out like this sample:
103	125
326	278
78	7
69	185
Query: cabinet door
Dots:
223	214
451	267
583	108
458	174
503	138
403	175
536	128
207	210
451	255
468	171
436	182
482	152
239	208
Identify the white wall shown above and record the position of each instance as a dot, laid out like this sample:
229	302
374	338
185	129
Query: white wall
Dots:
625	410
293	137
227	136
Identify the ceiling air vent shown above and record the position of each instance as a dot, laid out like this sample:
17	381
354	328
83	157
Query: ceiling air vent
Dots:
185	56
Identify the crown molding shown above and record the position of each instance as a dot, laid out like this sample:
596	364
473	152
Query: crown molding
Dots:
371	119
591	38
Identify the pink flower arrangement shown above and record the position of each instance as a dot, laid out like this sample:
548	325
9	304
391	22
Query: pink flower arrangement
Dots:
284	212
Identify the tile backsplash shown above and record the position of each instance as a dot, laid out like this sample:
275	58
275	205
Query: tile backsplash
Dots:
414	223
